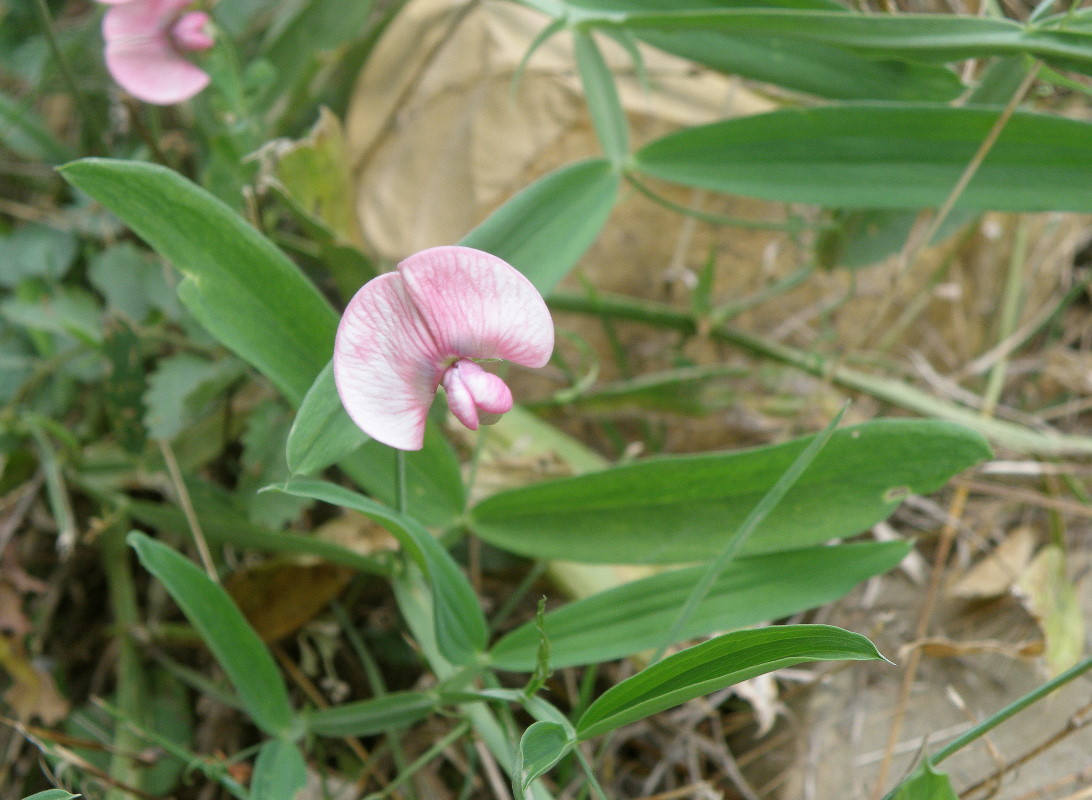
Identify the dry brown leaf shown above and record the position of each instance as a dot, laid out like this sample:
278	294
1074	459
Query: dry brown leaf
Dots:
997	571
1052	599
32	694
279	597
438	137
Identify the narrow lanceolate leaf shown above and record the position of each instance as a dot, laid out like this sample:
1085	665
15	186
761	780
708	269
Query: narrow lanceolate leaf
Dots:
940	37
683	509
322	433
632	617
545	229
878	156
720	662
541	746
280	772
601	96
241	288
240	651
461	630
53	794
369	717
816	67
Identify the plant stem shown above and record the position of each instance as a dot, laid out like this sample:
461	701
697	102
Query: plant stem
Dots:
1010	710
400	481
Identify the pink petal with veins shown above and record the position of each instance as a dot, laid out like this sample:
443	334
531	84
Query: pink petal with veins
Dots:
406	331
479	306
141	55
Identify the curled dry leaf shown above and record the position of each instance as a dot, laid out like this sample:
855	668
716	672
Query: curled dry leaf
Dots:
997	571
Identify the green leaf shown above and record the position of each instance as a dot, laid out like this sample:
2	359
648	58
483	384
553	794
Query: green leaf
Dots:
238	285
222	523
681	509
545	229
36	251
541	746
322	432
280	773
807	66
53	794
632	617
881	156
601	95
461	630
132	282
181	388
225	631
913	37
926	783
369	717
720	662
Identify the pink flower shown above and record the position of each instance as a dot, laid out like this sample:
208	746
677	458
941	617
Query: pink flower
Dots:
145	40
406	332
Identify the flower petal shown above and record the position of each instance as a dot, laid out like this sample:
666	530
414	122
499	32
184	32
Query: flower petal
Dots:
141	57
385	363
191	32
470	389
479	306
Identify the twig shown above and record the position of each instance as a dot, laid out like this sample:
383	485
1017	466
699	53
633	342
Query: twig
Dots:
187	509
1073	724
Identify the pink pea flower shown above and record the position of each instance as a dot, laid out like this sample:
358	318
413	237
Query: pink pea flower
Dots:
406	332
145	42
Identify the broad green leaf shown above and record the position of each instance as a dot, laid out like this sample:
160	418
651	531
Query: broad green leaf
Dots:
240	287
926	783
53	794
322	433
545	229
461	630
883	156
210	610
369	717
720	662
755	589
601	96
280	773
914	37
541	746
682	509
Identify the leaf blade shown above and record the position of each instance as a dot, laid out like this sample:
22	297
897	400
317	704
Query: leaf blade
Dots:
715	664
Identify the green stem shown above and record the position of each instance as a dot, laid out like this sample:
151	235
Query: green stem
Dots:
400	481
1010	710
792	225
132	693
898	392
